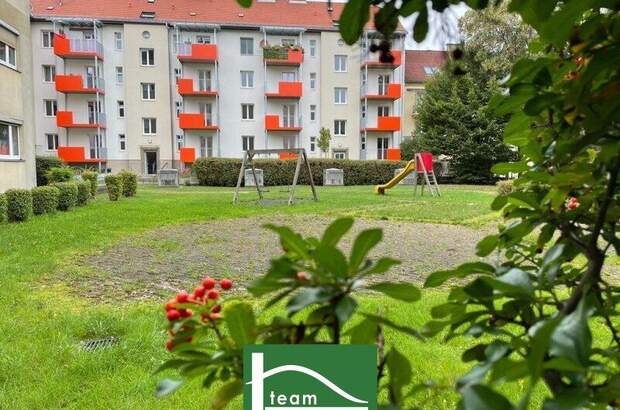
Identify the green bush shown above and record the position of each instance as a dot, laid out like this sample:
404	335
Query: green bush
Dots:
129	181
60	174
45	199
114	186
224	171
91	177
68	195
43	165
2	208
83	194
19	204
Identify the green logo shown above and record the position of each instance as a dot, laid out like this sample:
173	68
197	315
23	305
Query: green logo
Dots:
312	377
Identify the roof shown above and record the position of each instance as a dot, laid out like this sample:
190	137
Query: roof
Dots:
420	64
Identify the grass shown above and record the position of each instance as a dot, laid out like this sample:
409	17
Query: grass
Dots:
43	323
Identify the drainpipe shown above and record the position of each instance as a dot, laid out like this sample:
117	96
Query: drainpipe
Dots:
172	106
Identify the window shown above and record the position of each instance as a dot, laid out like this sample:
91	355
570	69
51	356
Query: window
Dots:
178	105
382	147
312	81
148	91
363	111
340	95
52	142
288	42
247	111
50	108
247	142
122	142
288	115
340	63
312	144
149	126
430	70
47	39
9	141
118	40
247	79
340	154
289	76
383	111
206	109
119	75
7	55
340	128
312	112
206	147
382	84
120	108
49	72
179	142
147	56
247	46
177	73
363	143
203	39
204	80
312	48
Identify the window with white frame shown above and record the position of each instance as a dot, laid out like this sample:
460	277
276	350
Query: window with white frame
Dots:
178	106
206	147
289	76
120	108
247	111
148	91
312	112
119	74
179	142
383	111
147	56
177	73
247	79
9	141
312	48
312	81
51	107
247	142
203	39
118	40
246	46
49	73
339	154
149	126
204	80
340	128
52	142
340	63
47	39
122	142
340	95
312	144
7	55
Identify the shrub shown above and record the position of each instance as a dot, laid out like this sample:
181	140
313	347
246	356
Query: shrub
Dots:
83	194
129	181
60	174
91	177
44	164
2	208
505	187
45	199
19	204
114	186
68	195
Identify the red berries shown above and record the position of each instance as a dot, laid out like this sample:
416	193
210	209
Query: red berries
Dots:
182	296
213	294
216	309
199	292
169	345
186	313
215	316
209	283
573	203
171	304
226	284
173	314
302	276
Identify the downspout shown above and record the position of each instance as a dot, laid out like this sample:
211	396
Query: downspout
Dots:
171	98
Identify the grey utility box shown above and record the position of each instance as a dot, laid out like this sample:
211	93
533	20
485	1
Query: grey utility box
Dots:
168	177
249	177
408	180
333	177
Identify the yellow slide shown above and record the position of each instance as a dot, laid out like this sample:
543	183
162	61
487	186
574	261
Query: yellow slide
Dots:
409	168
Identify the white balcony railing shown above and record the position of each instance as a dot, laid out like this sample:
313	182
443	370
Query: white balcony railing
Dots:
81	45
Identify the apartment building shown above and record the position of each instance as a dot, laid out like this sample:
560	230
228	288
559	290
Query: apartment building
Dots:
149	84
17	168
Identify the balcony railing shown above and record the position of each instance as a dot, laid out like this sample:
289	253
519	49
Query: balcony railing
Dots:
273	123
372	60
385	124
185	87
197	53
78	154
390	92
279	55
287	89
77	47
65	119
196	121
74	84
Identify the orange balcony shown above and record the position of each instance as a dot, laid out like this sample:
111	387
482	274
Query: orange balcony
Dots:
197	53
76	155
287	89
372	60
76	47
272	123
73	84
195	122
287	155
64	119
392	93
385	124
279	56
186	89
393	154
187	155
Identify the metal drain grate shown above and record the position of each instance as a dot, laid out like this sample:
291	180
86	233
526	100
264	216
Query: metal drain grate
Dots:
96	344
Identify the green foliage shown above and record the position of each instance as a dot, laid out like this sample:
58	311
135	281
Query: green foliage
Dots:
68	195
324	140
224	172
83	193
129	181
279	52
45	199
114	186
60	174
3	205
91	177
44	164
19	205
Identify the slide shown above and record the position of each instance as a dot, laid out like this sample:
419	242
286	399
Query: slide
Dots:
409	168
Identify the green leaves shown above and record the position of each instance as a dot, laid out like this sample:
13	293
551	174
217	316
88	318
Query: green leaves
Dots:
364	242
240	322
480	397
487	245
353	19
399	290
400	373
420	27
336	231
572	338
438	278
245	3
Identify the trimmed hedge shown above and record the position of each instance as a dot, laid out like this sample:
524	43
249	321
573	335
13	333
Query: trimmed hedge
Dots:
68	195
91	177
114	186
45	199
129	181
2	208
83	194
60	174
224	171
19	204
44	164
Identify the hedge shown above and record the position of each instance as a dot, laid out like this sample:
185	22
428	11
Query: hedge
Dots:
114	186
45	199
60	174
91	177
224	171
2	207
129	181
83	194
68	195
19	204
44	164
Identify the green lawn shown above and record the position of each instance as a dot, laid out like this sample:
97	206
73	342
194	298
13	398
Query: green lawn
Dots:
42	365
